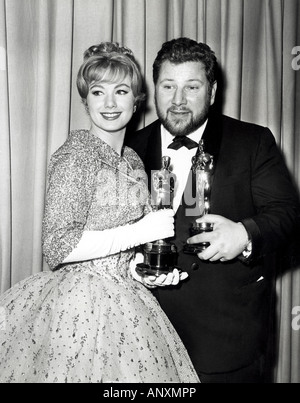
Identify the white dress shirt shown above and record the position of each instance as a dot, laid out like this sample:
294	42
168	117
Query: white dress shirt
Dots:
181	161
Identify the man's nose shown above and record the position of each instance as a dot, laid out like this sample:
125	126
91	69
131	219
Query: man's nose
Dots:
179	97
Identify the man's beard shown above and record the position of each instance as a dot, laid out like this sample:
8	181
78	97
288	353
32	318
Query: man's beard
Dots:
182	127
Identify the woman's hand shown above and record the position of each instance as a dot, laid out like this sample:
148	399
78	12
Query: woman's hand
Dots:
154	226
164	280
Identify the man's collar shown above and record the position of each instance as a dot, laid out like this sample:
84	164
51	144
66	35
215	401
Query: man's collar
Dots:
196	135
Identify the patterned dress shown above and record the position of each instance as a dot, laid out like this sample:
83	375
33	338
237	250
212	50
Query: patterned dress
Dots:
89	322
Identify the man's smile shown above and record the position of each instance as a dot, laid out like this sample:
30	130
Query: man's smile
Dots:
179	111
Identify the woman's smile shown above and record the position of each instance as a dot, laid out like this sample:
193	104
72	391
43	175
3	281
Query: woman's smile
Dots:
111	115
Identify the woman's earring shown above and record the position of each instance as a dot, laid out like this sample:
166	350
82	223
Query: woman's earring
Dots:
134	109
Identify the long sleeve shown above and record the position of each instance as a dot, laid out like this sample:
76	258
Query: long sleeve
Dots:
67	204
275	199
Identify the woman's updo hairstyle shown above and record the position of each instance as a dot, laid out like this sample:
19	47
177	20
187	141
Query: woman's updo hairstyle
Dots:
109	62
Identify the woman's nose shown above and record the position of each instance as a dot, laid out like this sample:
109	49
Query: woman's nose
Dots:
110	101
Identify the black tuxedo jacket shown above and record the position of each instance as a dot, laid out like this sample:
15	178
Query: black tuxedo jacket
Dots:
222	312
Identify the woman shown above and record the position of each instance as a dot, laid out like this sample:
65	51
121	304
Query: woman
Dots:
88	320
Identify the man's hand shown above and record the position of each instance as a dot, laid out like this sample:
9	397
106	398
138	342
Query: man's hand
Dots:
227	240
164	280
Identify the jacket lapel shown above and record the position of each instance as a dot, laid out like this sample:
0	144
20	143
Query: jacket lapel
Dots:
212	138
153	154
212	135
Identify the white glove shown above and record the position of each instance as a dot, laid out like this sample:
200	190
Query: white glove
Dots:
170	279
95	244
155	225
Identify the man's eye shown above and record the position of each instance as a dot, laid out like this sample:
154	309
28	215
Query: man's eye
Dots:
168	87
192	88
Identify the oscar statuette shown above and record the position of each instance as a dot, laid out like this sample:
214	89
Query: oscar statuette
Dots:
203	167
160	257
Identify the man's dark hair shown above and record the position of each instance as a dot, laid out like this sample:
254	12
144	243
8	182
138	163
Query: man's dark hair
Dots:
183	50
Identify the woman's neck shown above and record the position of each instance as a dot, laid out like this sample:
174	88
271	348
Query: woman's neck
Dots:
114	140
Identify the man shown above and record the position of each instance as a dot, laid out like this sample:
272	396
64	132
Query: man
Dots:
222	311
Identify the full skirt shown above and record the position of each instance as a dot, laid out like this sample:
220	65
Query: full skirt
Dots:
88	323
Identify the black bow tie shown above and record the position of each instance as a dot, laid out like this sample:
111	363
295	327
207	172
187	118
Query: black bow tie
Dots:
182	141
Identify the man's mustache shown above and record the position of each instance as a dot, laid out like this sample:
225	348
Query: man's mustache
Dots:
179	110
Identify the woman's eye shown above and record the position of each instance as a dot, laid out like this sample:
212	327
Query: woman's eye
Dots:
122	92
97	93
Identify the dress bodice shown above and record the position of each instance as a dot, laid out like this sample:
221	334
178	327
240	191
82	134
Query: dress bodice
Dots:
91	187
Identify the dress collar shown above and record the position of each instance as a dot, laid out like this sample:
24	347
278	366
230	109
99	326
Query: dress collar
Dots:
89	140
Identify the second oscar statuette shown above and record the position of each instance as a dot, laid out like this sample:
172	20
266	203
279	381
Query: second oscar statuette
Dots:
203	168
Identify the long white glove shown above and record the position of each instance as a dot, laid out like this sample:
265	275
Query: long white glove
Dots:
96	244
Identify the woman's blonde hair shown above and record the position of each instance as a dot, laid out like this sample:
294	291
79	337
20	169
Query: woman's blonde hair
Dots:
109	62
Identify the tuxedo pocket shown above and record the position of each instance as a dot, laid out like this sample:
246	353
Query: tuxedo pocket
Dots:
254	292
255	282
